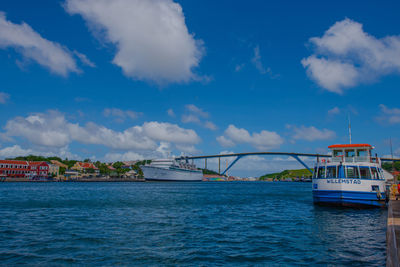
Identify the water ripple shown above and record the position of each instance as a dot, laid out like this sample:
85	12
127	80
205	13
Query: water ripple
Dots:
195	224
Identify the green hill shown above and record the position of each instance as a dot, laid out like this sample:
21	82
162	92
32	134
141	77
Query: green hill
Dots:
287	174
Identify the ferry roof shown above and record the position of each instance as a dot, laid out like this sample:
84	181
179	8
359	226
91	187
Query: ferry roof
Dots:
350	145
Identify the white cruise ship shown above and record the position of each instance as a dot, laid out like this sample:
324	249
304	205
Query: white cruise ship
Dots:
171	170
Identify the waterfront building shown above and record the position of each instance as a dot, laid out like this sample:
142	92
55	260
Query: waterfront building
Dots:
54	170
23	169
14	168
85	167
39	169
59	164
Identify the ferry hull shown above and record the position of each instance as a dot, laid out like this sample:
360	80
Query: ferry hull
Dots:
349	198
172	175
349	192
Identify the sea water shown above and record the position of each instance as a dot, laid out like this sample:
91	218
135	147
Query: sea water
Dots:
199	224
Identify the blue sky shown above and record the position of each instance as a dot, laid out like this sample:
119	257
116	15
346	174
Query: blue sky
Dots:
138	79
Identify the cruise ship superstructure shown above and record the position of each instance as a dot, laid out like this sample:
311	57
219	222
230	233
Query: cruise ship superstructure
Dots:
171	170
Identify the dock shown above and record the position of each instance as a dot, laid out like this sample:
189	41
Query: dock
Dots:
393	233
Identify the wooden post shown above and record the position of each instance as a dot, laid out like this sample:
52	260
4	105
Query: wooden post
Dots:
205	163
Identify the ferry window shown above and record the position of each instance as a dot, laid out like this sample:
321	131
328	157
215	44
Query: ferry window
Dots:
365	174
331	172
352	172
337	153
375	174
321	172
350	153
362	153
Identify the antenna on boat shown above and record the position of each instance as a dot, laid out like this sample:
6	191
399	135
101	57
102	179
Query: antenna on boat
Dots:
349	127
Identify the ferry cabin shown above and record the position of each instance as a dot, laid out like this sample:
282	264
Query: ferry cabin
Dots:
352	177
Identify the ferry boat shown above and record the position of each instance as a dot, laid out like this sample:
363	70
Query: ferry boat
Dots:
351	177
171	170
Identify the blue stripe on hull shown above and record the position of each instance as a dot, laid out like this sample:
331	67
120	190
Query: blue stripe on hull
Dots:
346	198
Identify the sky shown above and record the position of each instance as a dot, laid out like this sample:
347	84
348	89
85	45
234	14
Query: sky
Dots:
139	79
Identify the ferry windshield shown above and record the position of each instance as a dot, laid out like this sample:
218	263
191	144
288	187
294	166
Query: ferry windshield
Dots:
331	172
375	173
365	173
352	172
319	172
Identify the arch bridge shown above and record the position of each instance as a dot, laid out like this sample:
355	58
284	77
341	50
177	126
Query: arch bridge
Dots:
238	156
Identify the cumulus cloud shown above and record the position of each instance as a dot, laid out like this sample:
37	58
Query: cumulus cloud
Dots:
121	115
346	56
389	115
51	129
310	133
17	151
163	131
32	46
130	155
4	97
263	140
151	38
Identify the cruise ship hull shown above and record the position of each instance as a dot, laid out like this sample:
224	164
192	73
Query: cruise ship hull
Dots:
171	174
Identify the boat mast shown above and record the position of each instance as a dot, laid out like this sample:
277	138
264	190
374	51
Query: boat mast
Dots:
349	127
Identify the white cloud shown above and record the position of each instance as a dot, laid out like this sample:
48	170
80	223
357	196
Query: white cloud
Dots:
33	46
391	116
127	156
41	129
4	97
151	38
163	131
332	75
210	125
225	142
171	112
256	60
196	110
121	115
310	133
84	59
263	140
197	115
187	118
334	111
53	130
346	56
17	151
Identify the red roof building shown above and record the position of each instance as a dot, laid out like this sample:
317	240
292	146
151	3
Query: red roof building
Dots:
14	168
23	169
39	168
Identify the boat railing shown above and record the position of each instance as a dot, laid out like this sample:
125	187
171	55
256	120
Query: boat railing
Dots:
351	159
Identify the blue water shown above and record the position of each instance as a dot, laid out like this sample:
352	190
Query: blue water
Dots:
199	224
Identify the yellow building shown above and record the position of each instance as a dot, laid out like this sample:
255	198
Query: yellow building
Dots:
54	170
